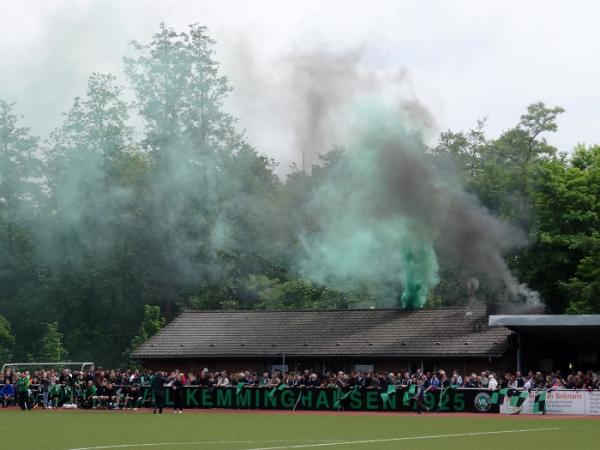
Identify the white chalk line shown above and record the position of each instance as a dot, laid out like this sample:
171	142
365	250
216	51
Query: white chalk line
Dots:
412	438
160	444
322	444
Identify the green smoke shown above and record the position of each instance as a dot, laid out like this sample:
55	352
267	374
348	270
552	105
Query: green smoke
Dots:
419	275
372	211
128	204
147	194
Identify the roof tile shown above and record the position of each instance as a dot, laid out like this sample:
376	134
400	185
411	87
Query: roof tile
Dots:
439	332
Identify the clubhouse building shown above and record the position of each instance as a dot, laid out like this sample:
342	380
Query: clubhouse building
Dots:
466	339
376	339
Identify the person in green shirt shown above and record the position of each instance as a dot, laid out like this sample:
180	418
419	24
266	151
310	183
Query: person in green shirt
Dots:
90	396
23	390
54	393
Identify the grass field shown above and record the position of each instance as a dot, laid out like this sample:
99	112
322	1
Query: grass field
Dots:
105	430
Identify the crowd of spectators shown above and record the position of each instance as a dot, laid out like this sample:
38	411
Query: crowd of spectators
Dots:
121	389
431	379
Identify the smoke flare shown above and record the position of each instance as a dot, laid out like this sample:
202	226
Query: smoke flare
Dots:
384	213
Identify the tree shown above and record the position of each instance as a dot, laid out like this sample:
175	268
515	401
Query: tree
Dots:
563	260
51	345
7	340
503	174
152	322
210	195
463	151
103	223
180	94
101	218
82	161
18	168
93	174
500	172
538	119
20	197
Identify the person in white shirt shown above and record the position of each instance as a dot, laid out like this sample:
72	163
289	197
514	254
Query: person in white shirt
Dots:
492	383
223	380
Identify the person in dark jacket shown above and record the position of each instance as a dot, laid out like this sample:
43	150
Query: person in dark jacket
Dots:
419	397
177	387
158	392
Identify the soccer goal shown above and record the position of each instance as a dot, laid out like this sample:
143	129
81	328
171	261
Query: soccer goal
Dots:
39	365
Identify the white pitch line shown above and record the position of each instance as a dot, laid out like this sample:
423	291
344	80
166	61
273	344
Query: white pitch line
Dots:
413	438
159	444
325	444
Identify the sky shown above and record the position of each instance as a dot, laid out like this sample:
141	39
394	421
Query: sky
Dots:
460	60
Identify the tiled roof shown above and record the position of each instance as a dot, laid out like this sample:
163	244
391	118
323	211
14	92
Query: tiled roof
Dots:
436	332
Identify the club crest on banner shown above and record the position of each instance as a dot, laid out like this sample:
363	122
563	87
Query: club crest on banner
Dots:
483	402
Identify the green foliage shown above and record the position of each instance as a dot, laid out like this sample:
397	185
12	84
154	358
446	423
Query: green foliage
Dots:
298	293
210	195
7	340
182	211
107	231
565	256
51	345
152	322
20	197
504	175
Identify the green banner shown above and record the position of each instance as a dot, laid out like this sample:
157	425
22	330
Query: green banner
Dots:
395	398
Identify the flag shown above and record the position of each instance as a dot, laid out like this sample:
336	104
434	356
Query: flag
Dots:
408	394
539	404
518	399
498	396
391	390
281	387
444	390
239	388
338	402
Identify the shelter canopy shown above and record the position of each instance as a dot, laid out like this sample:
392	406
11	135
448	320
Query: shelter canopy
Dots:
584	330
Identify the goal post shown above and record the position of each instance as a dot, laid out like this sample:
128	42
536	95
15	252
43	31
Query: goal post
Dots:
60	364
